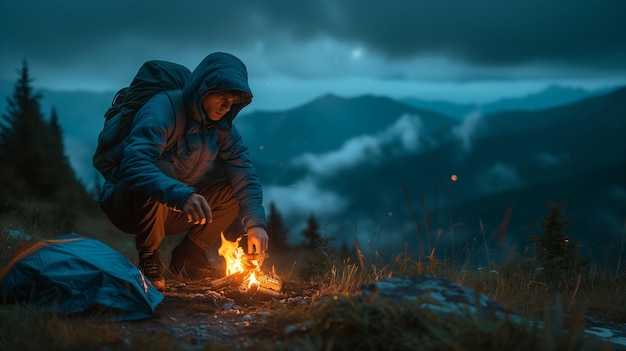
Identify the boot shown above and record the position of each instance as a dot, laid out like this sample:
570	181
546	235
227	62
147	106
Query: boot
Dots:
191	262
151	267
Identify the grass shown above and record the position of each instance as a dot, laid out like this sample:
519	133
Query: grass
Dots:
343	322
25	328
340	320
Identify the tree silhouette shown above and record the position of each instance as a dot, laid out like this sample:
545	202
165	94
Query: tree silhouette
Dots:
34	165
555	251
277	230
311	233
319	253
21	142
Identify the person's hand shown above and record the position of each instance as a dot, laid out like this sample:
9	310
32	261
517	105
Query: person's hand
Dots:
197	210
257	240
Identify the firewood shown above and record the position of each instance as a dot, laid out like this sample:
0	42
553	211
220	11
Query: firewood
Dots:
268	292
233	279
269	283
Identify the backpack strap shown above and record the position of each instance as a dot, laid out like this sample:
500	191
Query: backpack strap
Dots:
176	98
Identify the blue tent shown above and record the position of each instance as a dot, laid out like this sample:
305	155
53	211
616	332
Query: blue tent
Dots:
77	275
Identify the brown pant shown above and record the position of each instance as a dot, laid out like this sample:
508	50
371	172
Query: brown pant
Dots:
134	212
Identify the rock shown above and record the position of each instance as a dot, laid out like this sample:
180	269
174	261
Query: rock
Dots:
444	296
439	294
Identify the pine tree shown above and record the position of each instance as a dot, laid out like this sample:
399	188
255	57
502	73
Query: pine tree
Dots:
21	140
277	230
319	253
555	251
58	161
35	167
311	233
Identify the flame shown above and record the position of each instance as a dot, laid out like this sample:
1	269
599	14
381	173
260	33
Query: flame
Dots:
253	283
233	254
237	261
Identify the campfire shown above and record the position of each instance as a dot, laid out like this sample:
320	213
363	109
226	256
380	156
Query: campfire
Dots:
244	273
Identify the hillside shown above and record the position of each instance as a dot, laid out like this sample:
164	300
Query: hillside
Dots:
518	160
325	124
551	96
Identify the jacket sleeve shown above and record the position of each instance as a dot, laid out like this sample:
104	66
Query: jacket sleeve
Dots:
243	178
145	144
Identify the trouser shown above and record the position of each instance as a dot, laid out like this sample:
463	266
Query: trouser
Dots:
133	212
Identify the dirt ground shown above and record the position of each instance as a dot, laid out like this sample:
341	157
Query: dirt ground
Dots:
194	314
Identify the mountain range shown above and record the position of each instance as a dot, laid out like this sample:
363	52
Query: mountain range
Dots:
380	170
551	96
390	173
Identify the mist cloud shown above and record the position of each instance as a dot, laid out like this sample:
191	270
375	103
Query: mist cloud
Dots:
498	177
548	159
302	198
466	129
398	139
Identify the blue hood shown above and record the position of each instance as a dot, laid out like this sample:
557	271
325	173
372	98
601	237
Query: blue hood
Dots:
217	72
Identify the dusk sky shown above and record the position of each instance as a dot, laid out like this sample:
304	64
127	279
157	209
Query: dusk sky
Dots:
456	50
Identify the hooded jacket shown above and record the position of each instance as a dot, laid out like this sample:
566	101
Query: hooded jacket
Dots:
195	153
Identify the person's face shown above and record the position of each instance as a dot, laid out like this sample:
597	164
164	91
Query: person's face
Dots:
216	105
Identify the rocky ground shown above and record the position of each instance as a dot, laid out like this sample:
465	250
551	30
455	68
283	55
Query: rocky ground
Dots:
193	314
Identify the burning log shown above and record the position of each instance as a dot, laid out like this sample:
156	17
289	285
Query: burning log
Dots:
244	271
263	285
230	280
269	283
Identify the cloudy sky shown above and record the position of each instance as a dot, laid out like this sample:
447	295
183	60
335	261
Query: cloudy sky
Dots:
459	50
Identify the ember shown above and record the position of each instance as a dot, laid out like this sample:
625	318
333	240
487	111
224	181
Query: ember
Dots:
243	271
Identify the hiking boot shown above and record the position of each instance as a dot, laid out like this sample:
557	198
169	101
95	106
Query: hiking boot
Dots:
191	262
150	266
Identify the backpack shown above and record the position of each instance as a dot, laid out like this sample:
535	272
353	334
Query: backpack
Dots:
152	77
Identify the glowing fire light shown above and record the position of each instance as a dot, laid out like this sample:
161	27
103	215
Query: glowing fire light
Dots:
245	271
253	282
232	253
236	262
453	177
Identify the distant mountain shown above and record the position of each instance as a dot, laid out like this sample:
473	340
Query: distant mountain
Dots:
554	95
320	126
324	124
520	161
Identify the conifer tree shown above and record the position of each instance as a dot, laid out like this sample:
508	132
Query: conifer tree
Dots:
319	253
35	167
21	147
555	251
58	161
277	230
311	233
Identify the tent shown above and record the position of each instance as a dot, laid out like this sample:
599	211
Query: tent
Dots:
76	275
